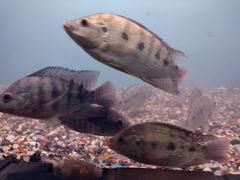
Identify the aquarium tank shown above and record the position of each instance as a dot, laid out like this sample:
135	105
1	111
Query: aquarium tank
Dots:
104	85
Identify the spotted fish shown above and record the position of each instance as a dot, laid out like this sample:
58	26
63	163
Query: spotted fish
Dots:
97	120
55	91
156	143
128	46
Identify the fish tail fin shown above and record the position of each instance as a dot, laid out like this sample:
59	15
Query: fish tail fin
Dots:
105	95
217	150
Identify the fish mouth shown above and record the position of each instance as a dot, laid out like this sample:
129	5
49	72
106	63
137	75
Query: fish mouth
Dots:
82	41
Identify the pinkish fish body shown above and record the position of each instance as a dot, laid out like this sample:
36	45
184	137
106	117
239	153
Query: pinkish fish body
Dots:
162	144
54	92
128	46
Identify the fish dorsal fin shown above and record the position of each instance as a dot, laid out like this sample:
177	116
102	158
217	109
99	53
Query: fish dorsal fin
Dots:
86	78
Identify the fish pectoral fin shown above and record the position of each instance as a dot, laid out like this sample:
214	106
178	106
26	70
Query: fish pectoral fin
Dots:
166	84
86	78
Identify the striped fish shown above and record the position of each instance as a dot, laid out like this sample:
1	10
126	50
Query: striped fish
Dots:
53	92
128	46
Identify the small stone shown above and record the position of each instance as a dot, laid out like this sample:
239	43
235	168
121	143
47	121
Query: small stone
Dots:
207	169
235	141
15	146
219	173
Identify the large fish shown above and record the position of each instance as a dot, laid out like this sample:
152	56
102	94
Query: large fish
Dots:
162	144
128	46
53	92
97	120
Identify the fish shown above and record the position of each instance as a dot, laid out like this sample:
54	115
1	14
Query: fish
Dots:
161	144
133	96
55	91
128	46
97	120
196	92
202	109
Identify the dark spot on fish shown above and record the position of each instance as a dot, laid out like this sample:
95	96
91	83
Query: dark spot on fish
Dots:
191	149
138	143
80	94
171	146
124	36
176	67
153	144
182	147
84	23
55	107
141	46
69	92
165	62
41	94
120	140
157	55
55	92
104	29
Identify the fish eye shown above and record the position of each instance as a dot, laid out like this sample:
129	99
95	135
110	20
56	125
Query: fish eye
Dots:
120	140
84	23
138	143
119	122
7	98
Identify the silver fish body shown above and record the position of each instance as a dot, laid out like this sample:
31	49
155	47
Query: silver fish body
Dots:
128	46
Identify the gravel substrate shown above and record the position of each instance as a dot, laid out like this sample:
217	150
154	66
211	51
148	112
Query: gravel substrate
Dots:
22	137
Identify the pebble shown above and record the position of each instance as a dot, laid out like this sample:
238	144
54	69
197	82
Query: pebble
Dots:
235	141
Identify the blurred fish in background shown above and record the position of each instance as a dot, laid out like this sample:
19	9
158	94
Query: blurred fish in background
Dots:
128	46
133	96
201	111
